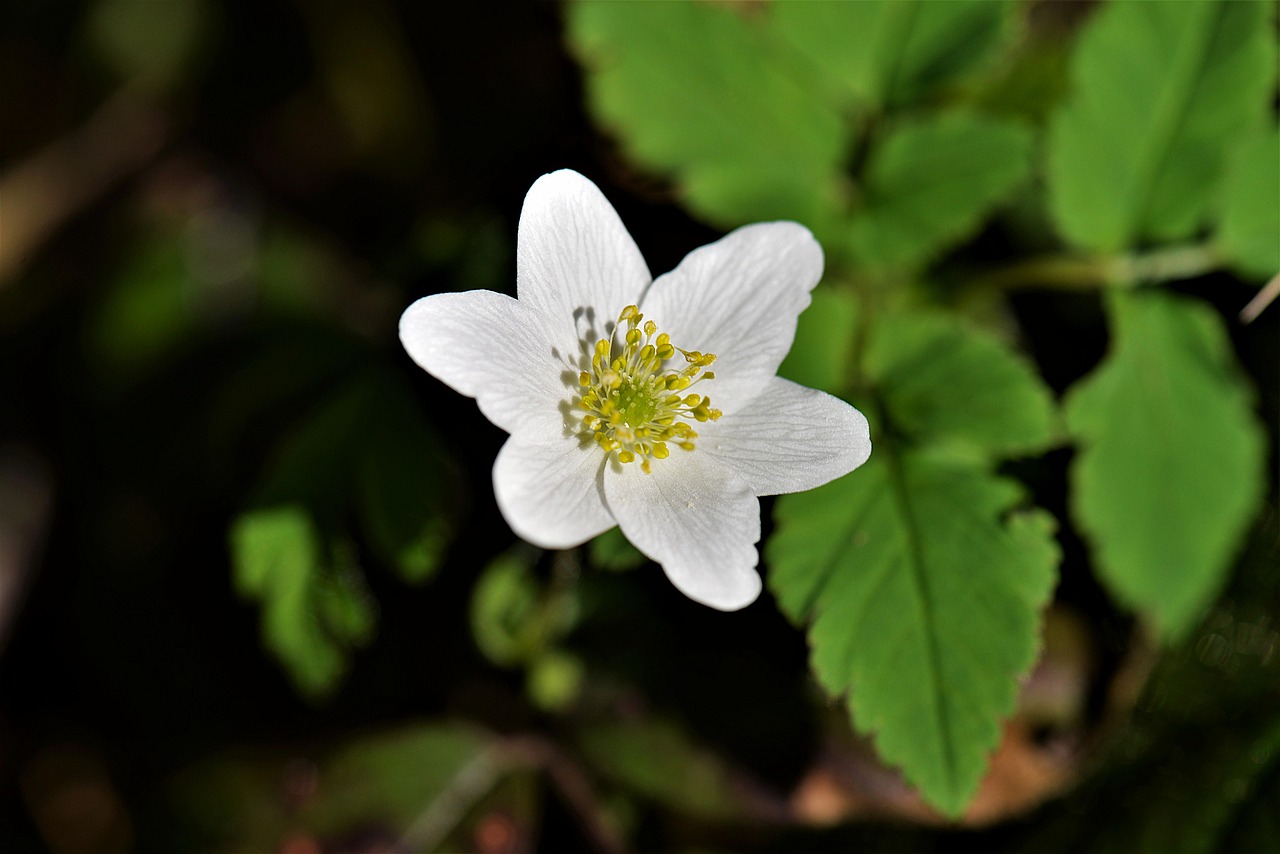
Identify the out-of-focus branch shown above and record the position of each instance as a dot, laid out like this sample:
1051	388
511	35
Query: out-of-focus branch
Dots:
40	194
479	777
1259	303
1070	272
26	501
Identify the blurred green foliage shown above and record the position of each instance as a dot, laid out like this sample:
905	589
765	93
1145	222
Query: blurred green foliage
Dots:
1170	470
1138	137
369	446
1160	93
1000	188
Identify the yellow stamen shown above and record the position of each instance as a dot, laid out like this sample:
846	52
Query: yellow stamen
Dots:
631	400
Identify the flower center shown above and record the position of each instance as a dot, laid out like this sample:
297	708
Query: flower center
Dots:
634	408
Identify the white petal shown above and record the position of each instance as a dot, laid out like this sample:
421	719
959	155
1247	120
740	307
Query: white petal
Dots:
549	492
789	439
575	260
696	518
739	298
489	346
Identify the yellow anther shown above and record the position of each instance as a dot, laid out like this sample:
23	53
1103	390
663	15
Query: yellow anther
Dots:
632	407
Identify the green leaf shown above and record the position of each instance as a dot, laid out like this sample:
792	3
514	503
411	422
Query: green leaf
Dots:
697	90
886	53
932	181
514	618
1249	233
391	778
657	760
824	344
313	612
555	680
147	310
923	595
1170	469
613	551
403	487
369	443
503	607
1160	92
149	43
939	379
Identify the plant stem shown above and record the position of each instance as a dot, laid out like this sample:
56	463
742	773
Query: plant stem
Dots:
1066	272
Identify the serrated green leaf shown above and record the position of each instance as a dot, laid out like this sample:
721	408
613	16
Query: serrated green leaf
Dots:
824	343
923	598
657	760
697	90
886	53
1249	232
939	379
313	614
1170	469
1160	91
931	182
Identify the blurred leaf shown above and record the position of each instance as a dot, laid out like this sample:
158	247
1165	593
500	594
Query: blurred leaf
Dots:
932	181
656	760
230	804
365	443
555	679
515	619
313	613
824	343
1170	469
1185	794
697	90
1030	82
392	778
887	53
149	42
502	606
147	309
1160	90
369	443
1256	824
401	478
922	595
611	550
939	379
311	463
1249	233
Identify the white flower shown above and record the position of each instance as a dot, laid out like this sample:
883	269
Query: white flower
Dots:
585	371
